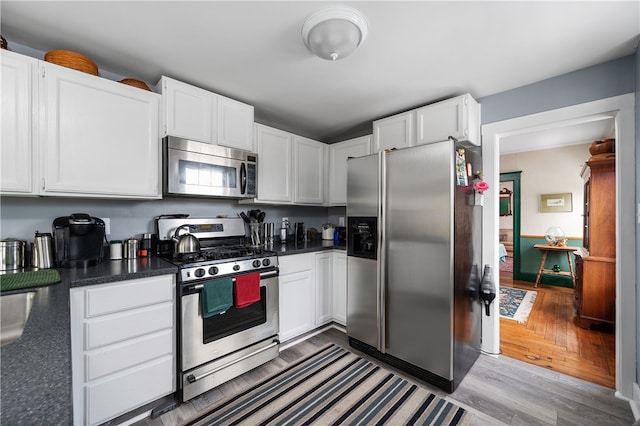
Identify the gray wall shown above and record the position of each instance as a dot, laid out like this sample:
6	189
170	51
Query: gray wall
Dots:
21	217
613	78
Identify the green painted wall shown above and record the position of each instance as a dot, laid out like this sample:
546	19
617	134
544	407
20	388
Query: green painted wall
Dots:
530	262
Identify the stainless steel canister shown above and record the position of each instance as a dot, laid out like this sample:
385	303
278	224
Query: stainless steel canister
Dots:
12	254
268	232
131	248
42	254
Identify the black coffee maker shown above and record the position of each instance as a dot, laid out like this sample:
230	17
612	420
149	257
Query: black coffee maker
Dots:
79	240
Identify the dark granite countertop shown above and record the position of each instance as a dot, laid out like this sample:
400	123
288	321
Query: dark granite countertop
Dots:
36	369
292	247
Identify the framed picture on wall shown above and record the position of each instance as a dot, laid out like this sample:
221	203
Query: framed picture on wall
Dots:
556	202
505	202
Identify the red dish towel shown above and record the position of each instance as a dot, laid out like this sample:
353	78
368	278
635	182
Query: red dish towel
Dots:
246	290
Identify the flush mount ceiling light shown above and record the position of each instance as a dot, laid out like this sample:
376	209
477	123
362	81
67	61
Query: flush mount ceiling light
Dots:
334	33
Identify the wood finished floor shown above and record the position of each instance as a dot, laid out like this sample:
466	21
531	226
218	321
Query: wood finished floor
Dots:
552	339
498	390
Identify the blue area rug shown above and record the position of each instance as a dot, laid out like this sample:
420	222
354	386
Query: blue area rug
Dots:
516	304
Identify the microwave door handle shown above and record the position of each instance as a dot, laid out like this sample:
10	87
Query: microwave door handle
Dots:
243	179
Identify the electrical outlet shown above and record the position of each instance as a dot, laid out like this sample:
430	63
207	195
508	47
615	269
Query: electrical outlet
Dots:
285	219
107	225
341	221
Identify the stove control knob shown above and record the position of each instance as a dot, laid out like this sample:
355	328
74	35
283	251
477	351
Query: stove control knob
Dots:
199	273
213	270
256	263
266	262
236	267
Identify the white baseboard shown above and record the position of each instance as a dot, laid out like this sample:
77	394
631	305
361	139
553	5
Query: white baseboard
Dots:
635	404
296	340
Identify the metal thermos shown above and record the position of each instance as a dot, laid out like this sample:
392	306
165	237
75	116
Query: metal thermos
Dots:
131	248
42	254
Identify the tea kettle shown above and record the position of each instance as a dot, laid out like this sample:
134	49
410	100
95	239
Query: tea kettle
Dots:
186	243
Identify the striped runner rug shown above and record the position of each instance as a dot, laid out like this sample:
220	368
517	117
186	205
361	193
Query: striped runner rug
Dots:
334	387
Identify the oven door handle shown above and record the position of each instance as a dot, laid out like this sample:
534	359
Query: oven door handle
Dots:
263	276
192	378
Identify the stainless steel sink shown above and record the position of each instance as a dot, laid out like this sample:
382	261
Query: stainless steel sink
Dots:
14	313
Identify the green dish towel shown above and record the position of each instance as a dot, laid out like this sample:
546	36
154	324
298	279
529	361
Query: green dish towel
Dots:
28	279
217	297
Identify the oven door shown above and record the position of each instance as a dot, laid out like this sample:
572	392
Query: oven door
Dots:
206	339
208	170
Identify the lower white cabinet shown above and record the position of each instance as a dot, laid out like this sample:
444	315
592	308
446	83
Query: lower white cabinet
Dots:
323	287
297	295
313	291
122	346
339	287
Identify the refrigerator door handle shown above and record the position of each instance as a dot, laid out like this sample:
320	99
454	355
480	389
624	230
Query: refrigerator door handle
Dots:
382	253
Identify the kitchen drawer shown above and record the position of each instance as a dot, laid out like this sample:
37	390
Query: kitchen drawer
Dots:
109	398
110	298
119	357
296	263
130	324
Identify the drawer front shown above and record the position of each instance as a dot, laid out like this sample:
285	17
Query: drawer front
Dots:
110	398
130	294
127	325
128	354
296	263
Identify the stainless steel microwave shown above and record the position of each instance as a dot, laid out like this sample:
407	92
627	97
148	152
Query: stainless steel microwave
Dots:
201	169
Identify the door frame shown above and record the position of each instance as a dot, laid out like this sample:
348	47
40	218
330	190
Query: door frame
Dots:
621	109
515	208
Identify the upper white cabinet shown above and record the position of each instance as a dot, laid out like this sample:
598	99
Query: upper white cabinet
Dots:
397	131
338	154
97	137
291	169
197	114
458	117
18	161
235	124
275	172
308	163
188	111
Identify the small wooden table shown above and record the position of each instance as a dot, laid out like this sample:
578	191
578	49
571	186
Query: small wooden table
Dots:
545	249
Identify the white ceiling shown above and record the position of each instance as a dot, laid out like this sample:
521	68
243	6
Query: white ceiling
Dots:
417	52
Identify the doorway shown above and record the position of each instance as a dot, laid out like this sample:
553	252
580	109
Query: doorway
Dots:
620	109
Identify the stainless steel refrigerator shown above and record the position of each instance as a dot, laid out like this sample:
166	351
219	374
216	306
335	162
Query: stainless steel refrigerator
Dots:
414	259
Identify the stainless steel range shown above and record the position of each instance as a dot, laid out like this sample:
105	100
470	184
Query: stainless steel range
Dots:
214	348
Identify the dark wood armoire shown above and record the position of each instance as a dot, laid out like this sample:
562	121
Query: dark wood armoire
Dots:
595	290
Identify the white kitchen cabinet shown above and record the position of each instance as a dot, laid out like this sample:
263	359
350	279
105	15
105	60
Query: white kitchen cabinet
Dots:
98	138
323	288
18	159
296	295
338	154
122	346
194	113
235	124
188	111
397	131
339	287
458	117
275	171
309	170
